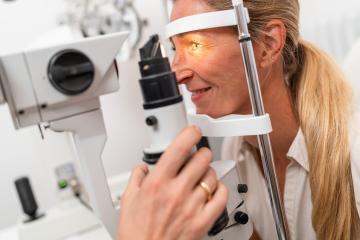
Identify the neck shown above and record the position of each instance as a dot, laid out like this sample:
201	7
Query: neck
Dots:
278	104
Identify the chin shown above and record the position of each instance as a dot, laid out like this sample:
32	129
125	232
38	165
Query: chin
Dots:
213	114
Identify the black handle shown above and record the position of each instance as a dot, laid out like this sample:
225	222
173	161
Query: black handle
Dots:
26	196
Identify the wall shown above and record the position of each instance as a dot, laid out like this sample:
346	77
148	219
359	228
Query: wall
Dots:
331	24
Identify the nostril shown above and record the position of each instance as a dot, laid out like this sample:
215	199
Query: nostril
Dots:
184	80
184	76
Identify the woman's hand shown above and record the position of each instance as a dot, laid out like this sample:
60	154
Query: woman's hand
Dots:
168	202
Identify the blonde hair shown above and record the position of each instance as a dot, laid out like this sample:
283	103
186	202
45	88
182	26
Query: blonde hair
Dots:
322	99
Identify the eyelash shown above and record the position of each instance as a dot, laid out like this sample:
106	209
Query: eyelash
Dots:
195	45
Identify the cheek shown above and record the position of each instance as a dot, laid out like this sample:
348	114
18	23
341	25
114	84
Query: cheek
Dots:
226	68
231	90
217	67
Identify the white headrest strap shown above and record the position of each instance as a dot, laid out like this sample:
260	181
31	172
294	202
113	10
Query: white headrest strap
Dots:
201	21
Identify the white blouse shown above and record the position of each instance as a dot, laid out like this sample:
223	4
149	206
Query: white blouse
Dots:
297	193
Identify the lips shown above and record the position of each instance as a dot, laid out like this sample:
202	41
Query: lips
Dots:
200	91
198	94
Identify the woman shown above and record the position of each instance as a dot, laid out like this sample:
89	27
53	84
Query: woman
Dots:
310	107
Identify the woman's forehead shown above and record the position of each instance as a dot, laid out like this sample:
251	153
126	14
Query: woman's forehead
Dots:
183	8
199	35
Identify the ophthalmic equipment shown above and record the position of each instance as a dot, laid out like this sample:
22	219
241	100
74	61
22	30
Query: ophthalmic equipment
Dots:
61	85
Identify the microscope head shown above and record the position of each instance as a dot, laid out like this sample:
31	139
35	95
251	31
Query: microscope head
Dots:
58	81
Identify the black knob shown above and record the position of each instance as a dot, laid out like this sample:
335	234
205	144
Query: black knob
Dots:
242	188
26	196
151	121
71	72
241	217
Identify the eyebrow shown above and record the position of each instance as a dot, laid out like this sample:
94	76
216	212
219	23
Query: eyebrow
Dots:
182	35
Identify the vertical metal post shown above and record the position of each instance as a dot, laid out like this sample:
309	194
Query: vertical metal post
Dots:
242	18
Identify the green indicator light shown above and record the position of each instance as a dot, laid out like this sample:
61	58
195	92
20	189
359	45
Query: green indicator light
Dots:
62	184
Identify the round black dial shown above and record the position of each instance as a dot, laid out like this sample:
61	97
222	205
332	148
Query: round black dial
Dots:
71	72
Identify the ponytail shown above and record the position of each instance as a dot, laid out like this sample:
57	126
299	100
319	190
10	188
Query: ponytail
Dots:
323	101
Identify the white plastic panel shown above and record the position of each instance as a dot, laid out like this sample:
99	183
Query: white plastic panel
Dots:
16	81
18	90
231	125
170	121
201	21
226	172
101	50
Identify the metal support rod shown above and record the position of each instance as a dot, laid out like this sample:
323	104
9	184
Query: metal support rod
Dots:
258	110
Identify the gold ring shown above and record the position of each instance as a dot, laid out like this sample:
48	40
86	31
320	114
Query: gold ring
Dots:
206	187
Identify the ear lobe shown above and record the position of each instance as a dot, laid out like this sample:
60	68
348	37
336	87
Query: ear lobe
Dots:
273	42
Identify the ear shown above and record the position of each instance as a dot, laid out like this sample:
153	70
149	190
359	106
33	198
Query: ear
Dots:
272	42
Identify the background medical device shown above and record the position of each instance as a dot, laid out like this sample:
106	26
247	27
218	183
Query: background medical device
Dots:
94	17
60	85
27	198
70	217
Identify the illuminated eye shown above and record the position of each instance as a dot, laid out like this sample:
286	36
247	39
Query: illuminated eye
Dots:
195	45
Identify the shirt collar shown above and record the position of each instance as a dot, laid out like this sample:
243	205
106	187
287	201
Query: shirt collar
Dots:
298	151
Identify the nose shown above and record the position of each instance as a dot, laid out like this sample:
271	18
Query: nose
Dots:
179	66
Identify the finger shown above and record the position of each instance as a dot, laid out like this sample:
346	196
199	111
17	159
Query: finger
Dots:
178	152
137	176
200	195
214	208
195	169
